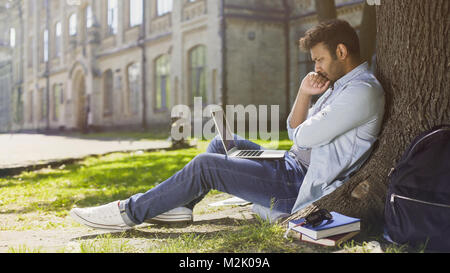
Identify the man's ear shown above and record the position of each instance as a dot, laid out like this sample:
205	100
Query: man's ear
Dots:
341	52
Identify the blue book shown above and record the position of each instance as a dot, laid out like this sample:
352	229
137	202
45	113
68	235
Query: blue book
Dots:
338	225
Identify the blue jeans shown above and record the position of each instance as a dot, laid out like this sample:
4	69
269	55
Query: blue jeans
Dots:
269	183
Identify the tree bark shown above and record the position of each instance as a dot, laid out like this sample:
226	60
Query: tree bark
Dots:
368	33
413	61
326	10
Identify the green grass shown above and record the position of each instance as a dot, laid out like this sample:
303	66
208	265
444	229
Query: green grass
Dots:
42	200
255	236
24	249
90	182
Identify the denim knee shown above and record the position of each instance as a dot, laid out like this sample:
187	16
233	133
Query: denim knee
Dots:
215	146
202	160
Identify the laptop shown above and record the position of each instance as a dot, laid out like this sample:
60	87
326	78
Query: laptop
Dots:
228	142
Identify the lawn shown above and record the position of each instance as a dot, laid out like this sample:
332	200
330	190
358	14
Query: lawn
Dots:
39	201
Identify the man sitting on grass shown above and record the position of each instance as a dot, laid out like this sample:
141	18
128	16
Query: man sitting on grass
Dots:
332	140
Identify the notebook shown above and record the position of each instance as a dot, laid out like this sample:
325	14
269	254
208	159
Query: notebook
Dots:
338	225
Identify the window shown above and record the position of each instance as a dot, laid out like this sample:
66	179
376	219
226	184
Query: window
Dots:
46	45
197	72
164	6
31	9
89	17
162	83
134	87
136	8
73	25
108	93
112	16
58	40
12	37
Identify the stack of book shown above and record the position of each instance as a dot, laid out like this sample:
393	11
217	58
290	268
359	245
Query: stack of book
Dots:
329	233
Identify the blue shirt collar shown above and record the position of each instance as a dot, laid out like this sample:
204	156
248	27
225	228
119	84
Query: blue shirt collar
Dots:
350	75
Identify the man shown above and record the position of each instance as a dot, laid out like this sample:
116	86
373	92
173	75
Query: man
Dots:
331	141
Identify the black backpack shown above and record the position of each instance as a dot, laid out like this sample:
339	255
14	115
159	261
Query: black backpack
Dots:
417	210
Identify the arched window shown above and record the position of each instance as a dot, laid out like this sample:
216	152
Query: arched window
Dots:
134	87
73	25
162	69
113	17
12	37
163	7
58	40
197	73
45	48
136	7
89	17
108	89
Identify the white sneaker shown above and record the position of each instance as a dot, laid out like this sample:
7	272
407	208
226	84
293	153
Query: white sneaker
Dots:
103	217
174	216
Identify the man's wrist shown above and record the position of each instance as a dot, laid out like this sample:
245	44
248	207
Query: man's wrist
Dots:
304	95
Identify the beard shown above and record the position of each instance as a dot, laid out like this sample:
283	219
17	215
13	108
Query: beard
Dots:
334	73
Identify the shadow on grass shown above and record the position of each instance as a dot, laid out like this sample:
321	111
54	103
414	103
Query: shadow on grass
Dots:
145	233
93	181
249	235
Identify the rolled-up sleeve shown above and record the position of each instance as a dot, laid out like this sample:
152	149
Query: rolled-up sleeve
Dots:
291	130
357	104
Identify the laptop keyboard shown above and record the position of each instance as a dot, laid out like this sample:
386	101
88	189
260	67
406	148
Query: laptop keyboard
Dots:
250	153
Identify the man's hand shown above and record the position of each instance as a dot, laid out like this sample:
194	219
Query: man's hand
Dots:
314	84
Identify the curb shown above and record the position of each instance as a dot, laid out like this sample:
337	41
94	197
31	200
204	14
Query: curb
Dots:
10	171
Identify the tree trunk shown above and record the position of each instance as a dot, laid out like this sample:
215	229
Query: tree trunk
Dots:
326	10
368	33
413	59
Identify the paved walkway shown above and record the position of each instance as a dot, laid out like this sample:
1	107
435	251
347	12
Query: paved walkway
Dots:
25	150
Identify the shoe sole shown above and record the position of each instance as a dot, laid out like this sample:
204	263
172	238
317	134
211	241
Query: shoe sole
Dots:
85	222
171	220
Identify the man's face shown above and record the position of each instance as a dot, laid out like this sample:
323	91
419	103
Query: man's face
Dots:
325	64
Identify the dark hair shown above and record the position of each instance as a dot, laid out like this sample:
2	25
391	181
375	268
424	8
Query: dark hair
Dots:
332	33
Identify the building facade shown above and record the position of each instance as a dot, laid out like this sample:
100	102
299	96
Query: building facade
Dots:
126	63
11	74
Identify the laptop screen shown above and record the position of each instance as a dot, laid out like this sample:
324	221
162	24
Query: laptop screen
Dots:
224	130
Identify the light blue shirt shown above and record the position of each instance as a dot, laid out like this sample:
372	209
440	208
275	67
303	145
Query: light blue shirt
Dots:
340	131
